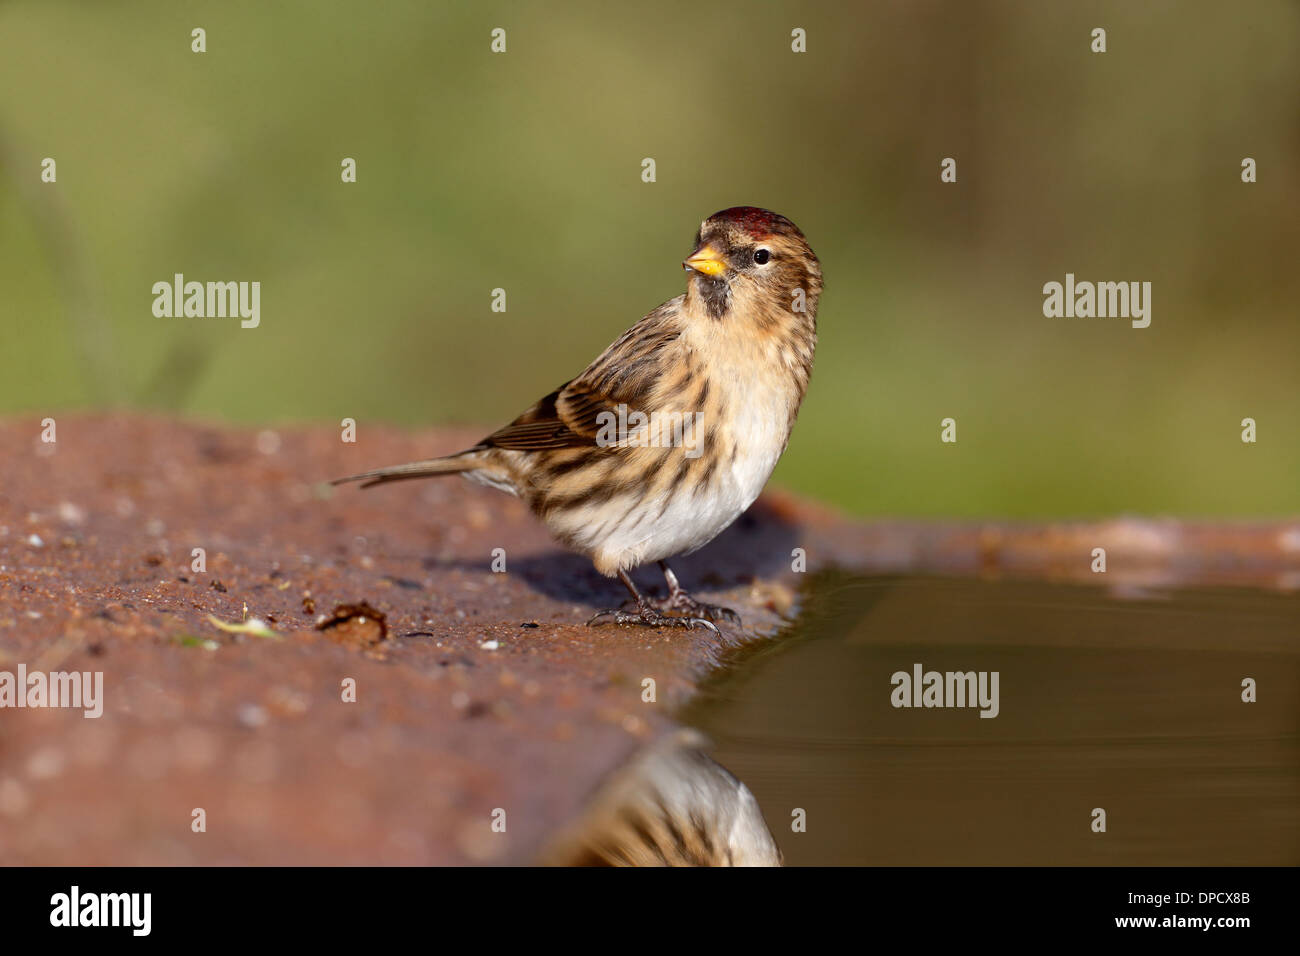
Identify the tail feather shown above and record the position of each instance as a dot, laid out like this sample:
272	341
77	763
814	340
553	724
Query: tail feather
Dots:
450	465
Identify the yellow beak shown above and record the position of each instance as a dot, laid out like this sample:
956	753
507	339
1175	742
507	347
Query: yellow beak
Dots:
707	260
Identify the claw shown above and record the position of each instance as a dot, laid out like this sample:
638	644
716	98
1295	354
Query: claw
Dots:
648	616
726	613
702	622
681	601
651	614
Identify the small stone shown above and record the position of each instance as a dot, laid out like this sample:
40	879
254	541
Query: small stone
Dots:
252	715
268	442
71	514
45	764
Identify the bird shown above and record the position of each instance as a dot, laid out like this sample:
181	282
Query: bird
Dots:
671	433
670	805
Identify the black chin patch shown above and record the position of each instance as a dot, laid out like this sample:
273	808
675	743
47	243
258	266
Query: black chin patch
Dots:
716	296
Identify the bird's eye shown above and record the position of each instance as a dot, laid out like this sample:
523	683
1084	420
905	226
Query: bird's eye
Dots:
761	256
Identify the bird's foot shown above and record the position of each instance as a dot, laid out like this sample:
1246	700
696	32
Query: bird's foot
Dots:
647	615
679	600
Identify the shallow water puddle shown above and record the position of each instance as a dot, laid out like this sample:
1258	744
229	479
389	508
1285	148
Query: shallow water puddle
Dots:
1132	705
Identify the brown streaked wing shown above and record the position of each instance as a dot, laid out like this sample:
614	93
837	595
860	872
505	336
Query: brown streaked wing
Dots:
624	374
567	418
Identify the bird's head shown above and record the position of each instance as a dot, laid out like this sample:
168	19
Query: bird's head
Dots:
755	263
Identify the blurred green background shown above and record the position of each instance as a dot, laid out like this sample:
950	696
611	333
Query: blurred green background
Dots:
522	171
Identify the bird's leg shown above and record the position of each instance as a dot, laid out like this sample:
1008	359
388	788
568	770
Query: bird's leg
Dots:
647	615
679	600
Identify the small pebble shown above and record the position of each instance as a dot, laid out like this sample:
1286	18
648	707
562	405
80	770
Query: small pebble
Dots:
71	514
252	715
268	442
45	764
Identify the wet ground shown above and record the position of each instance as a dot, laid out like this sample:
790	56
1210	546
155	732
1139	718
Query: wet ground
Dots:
1131	703
480	697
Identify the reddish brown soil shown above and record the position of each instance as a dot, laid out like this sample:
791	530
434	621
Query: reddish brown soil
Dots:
475	690
96	538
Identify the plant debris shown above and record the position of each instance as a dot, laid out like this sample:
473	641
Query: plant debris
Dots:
359	625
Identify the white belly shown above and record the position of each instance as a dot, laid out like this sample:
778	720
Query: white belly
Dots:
691	519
